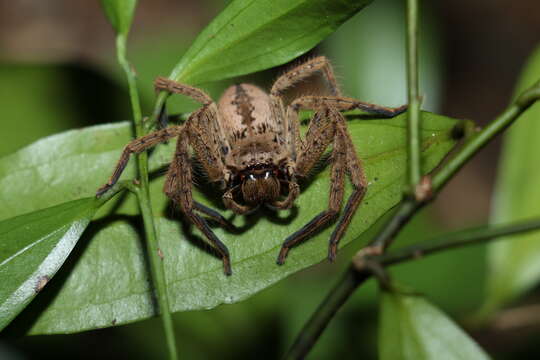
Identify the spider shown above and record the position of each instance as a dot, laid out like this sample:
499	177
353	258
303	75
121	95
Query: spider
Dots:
250	143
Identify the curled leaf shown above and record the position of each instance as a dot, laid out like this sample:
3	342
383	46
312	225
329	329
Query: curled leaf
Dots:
514	266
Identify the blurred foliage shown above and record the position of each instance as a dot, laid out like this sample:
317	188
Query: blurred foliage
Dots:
514	265
120	14
412	328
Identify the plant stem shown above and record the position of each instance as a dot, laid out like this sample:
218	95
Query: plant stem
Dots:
358	273
477	142
143	196
325	312
158	106
413	130
456	239
408	208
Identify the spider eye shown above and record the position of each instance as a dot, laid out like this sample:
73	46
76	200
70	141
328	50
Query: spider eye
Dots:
251	177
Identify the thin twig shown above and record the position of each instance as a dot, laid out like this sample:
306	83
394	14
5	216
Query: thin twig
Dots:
408	208
143	196
413	129
479	140
456	239
358	273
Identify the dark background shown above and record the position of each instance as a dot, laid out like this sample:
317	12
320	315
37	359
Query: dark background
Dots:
58	72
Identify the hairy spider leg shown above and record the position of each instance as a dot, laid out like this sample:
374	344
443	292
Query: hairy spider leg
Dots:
304	71
317	139
341	104
171	86
322	131
357	177
178	187
135	147
284	82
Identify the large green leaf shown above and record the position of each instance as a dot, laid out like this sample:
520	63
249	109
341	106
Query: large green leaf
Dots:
32	249
109	282
251	35
514	266
413	329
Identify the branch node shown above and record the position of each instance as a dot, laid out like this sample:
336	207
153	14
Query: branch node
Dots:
362	258
423	191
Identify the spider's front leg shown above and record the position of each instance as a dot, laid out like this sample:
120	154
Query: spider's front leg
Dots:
326	126
178	187
135	147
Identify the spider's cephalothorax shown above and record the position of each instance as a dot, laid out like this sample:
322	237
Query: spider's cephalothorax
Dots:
250	142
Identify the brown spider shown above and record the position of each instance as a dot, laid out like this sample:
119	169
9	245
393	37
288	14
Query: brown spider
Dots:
250	142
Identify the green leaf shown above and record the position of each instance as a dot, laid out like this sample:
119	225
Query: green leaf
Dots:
412	329
514	265
120	14
251	35
109	282
33	248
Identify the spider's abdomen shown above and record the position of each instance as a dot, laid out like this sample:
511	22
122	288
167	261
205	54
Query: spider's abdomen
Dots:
253	132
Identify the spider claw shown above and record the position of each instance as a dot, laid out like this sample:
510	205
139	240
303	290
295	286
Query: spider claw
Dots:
332	252
282	255
401	109
102	190
227	267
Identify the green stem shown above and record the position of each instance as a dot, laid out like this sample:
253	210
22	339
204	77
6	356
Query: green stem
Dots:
413	131
358	273
325	312
455	239
405	210
143	196
477	142
160	103
409	207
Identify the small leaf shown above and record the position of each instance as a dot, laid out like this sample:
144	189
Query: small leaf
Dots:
251	35
514	265
120	14
32	249
412	329
109	282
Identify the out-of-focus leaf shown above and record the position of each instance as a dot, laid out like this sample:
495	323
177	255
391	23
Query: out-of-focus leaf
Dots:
251	35
115	289
32	249
120	13
377	73
514	265
413	329
29	115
